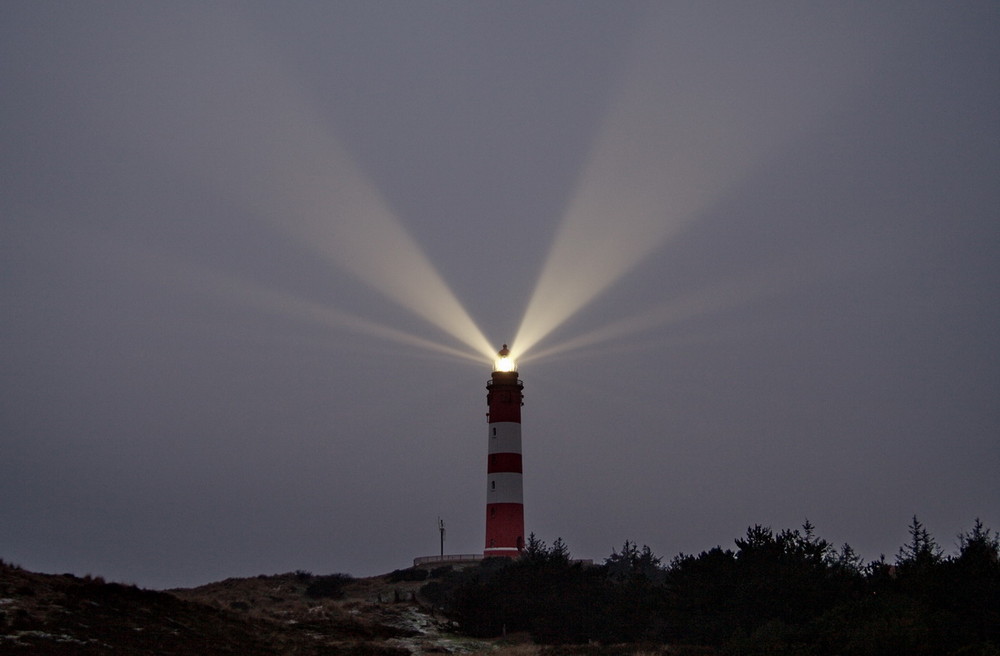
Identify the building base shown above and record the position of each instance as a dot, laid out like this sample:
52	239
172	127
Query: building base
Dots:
502	552
447	559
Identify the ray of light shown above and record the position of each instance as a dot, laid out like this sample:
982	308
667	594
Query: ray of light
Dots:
715	299
676	139
285	304
255	137
348	223
303	309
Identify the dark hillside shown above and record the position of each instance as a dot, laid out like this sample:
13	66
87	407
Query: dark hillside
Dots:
63	614
777	593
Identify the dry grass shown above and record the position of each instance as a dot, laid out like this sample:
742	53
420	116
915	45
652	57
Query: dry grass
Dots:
264	615
510	650
503	649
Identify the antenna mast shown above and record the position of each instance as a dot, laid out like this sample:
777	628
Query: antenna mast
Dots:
441	528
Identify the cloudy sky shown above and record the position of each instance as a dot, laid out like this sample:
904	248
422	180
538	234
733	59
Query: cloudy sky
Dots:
254	257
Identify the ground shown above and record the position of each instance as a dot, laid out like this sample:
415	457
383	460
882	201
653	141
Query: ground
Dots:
62	614
65	614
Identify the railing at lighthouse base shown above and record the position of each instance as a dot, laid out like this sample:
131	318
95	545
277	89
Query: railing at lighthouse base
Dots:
450	559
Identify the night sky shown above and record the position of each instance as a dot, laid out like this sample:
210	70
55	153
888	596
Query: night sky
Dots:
254	258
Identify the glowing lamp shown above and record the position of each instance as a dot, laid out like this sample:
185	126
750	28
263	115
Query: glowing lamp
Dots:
504	362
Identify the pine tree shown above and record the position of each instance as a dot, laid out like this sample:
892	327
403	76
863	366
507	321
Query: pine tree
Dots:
922	550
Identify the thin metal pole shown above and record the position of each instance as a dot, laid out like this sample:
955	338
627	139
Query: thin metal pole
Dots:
441	528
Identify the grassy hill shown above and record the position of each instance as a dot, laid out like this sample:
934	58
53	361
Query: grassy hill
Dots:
291	613
284	614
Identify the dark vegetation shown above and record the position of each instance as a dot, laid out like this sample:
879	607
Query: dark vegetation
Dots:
789	592
52	615
56	615
330	586
786	592
419	574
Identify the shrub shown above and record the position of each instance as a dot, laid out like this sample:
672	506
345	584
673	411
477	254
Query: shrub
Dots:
438	572
409	574
330	586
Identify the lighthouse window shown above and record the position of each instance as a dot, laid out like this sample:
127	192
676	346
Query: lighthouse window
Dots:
494	432
493	512
493	485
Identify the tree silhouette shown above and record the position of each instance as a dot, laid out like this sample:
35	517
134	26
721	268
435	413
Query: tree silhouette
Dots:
789	592
634	564
922	550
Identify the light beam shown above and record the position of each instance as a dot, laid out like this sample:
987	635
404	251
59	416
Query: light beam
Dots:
714	299
258	139
284	304
676	139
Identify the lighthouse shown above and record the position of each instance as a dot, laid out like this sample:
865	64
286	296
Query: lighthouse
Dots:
504	499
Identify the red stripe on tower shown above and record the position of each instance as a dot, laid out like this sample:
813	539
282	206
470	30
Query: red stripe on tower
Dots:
504	501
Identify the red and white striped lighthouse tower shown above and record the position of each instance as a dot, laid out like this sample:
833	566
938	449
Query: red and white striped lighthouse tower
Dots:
504	499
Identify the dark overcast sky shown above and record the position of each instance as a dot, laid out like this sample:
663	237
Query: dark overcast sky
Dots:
236	241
